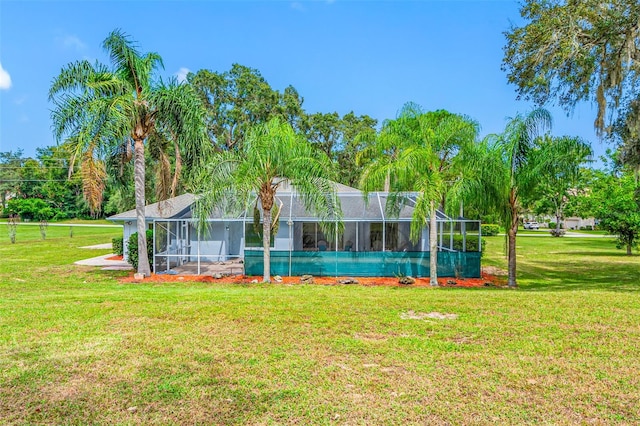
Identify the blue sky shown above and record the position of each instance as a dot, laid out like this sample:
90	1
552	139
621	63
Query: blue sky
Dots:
369	57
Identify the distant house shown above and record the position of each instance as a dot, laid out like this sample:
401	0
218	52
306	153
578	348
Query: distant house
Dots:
372	242
577	223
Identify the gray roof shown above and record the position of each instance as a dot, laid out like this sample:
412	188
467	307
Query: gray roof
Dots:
172	208
354	207
285	187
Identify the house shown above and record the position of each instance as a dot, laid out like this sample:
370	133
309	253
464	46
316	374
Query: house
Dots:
575	222
368	241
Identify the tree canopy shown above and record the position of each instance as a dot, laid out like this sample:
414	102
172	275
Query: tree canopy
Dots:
576	50
614	200
422	152
502	170
240	98
559	165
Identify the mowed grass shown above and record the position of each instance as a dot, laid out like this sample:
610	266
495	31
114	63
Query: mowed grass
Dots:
77	347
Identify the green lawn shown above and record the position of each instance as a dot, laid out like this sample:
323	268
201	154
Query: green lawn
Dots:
70	222
77	347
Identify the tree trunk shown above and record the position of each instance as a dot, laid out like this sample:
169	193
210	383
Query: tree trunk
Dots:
629	250
433	246
558	214
139	180
511	246
266	244
177	171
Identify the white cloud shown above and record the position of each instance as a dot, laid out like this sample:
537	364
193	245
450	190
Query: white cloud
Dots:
296	5
182	74
20	100
71	42
5	79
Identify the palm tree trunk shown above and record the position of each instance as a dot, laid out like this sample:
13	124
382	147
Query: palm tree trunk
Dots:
266	244
433	246
177	171
511	245
139	180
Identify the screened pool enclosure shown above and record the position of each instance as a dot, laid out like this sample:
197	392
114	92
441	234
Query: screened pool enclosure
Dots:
372	239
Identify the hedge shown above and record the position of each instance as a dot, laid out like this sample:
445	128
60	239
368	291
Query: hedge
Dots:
118	246
489	230
472	243
132	247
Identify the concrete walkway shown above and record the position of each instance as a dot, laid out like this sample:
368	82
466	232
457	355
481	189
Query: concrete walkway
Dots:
105	264
105	246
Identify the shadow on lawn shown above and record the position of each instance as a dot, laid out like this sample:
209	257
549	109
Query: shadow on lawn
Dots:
587	274
592	253
577	264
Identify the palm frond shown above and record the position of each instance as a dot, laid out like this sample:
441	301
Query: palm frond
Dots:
76	76
93	180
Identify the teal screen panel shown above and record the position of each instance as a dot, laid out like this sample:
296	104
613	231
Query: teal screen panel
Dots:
363	264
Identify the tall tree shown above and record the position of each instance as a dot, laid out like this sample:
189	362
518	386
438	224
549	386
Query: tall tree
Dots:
323	130
421	152
62	192
350	144
10	165
271	155
502	170
240	98
576	50
614	199
625	132
560	161
100	107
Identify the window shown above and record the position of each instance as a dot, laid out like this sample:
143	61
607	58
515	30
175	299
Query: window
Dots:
313	238
375	236
396	236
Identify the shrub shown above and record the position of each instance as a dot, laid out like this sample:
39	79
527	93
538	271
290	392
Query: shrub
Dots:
132	248
472	243
118	245
30	209
552	225
489	230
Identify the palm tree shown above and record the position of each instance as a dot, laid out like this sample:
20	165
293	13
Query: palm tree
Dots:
559	179
271	155
421	152
503	170
102	107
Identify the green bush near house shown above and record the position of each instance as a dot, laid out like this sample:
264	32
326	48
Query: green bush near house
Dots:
489	229
132	248
118	245
471	243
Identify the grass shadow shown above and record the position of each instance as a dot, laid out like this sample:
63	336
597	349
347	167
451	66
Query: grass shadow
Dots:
569	264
